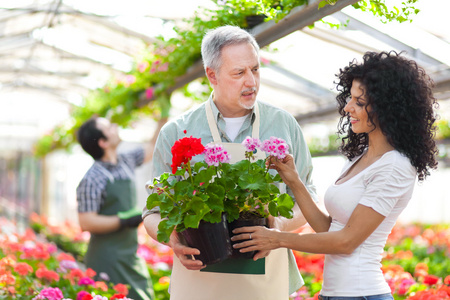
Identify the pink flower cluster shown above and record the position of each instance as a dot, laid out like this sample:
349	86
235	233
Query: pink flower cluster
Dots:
275	147
50	294
251	144
215	154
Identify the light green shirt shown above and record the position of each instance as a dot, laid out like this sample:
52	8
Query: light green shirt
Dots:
273	122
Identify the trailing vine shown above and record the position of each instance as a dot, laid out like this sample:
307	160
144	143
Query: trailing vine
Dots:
143	90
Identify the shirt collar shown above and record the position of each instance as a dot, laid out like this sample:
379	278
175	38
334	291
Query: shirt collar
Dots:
109	165
217	114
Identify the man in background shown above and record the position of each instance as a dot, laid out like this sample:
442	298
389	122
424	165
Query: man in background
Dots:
107	206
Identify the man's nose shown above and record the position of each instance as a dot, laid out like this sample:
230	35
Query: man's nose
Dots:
250	79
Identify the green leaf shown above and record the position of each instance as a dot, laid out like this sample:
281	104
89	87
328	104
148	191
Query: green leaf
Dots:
196	204
153	200
174	217
322	4
183	187
252	182
285	200
273	209
192	221
213	217
166	205
164	231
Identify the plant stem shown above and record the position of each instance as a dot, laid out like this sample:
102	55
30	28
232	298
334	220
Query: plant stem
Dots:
169	195
189	171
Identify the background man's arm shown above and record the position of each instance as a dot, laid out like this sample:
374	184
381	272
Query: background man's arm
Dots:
98	224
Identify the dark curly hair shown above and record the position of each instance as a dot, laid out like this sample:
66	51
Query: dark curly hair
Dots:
400	95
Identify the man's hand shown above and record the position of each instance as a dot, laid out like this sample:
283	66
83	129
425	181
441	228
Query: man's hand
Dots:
130	218
184	253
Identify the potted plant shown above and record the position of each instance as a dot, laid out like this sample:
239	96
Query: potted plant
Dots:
255	194
214	192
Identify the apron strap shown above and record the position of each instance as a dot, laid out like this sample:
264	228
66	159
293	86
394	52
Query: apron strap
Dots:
255	129
213	125
108	174
105	171
127	170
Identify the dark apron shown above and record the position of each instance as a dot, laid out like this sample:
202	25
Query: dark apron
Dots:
115	253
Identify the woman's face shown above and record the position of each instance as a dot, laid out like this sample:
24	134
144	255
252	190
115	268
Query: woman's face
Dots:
357	109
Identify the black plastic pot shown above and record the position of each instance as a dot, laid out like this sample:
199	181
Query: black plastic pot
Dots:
243	223
212	239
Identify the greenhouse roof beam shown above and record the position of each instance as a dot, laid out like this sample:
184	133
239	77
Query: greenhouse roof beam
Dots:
385	38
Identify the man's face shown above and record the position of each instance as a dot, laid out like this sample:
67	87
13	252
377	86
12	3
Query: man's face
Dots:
236	84
110	131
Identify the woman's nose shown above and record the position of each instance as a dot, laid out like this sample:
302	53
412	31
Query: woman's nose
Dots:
348	107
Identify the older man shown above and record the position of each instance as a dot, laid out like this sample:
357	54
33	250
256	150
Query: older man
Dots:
231	60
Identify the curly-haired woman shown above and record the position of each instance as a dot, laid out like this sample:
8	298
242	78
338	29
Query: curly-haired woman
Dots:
387	127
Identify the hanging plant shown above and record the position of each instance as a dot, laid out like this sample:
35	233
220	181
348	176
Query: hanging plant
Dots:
143	90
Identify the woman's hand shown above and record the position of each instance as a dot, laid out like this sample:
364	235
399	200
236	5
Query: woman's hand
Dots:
286	168
257	238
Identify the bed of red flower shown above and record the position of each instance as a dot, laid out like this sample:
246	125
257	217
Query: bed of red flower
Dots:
46	263
415	263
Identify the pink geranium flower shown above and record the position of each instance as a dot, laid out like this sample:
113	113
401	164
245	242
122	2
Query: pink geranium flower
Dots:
276	147
86	281
215	154
50	294
251	144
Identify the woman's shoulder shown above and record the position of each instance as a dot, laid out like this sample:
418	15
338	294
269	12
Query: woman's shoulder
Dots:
395	162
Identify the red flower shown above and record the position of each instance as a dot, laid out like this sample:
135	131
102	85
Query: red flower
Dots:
23	268
101	286
430	279
87	297
7	278
447	280
118	296
421	270
121	288
47	274
184	149
90	273
64	256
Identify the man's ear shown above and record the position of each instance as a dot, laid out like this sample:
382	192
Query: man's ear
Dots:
211	74
103	143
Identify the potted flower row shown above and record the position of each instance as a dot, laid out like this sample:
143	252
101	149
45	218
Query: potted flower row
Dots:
214	194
